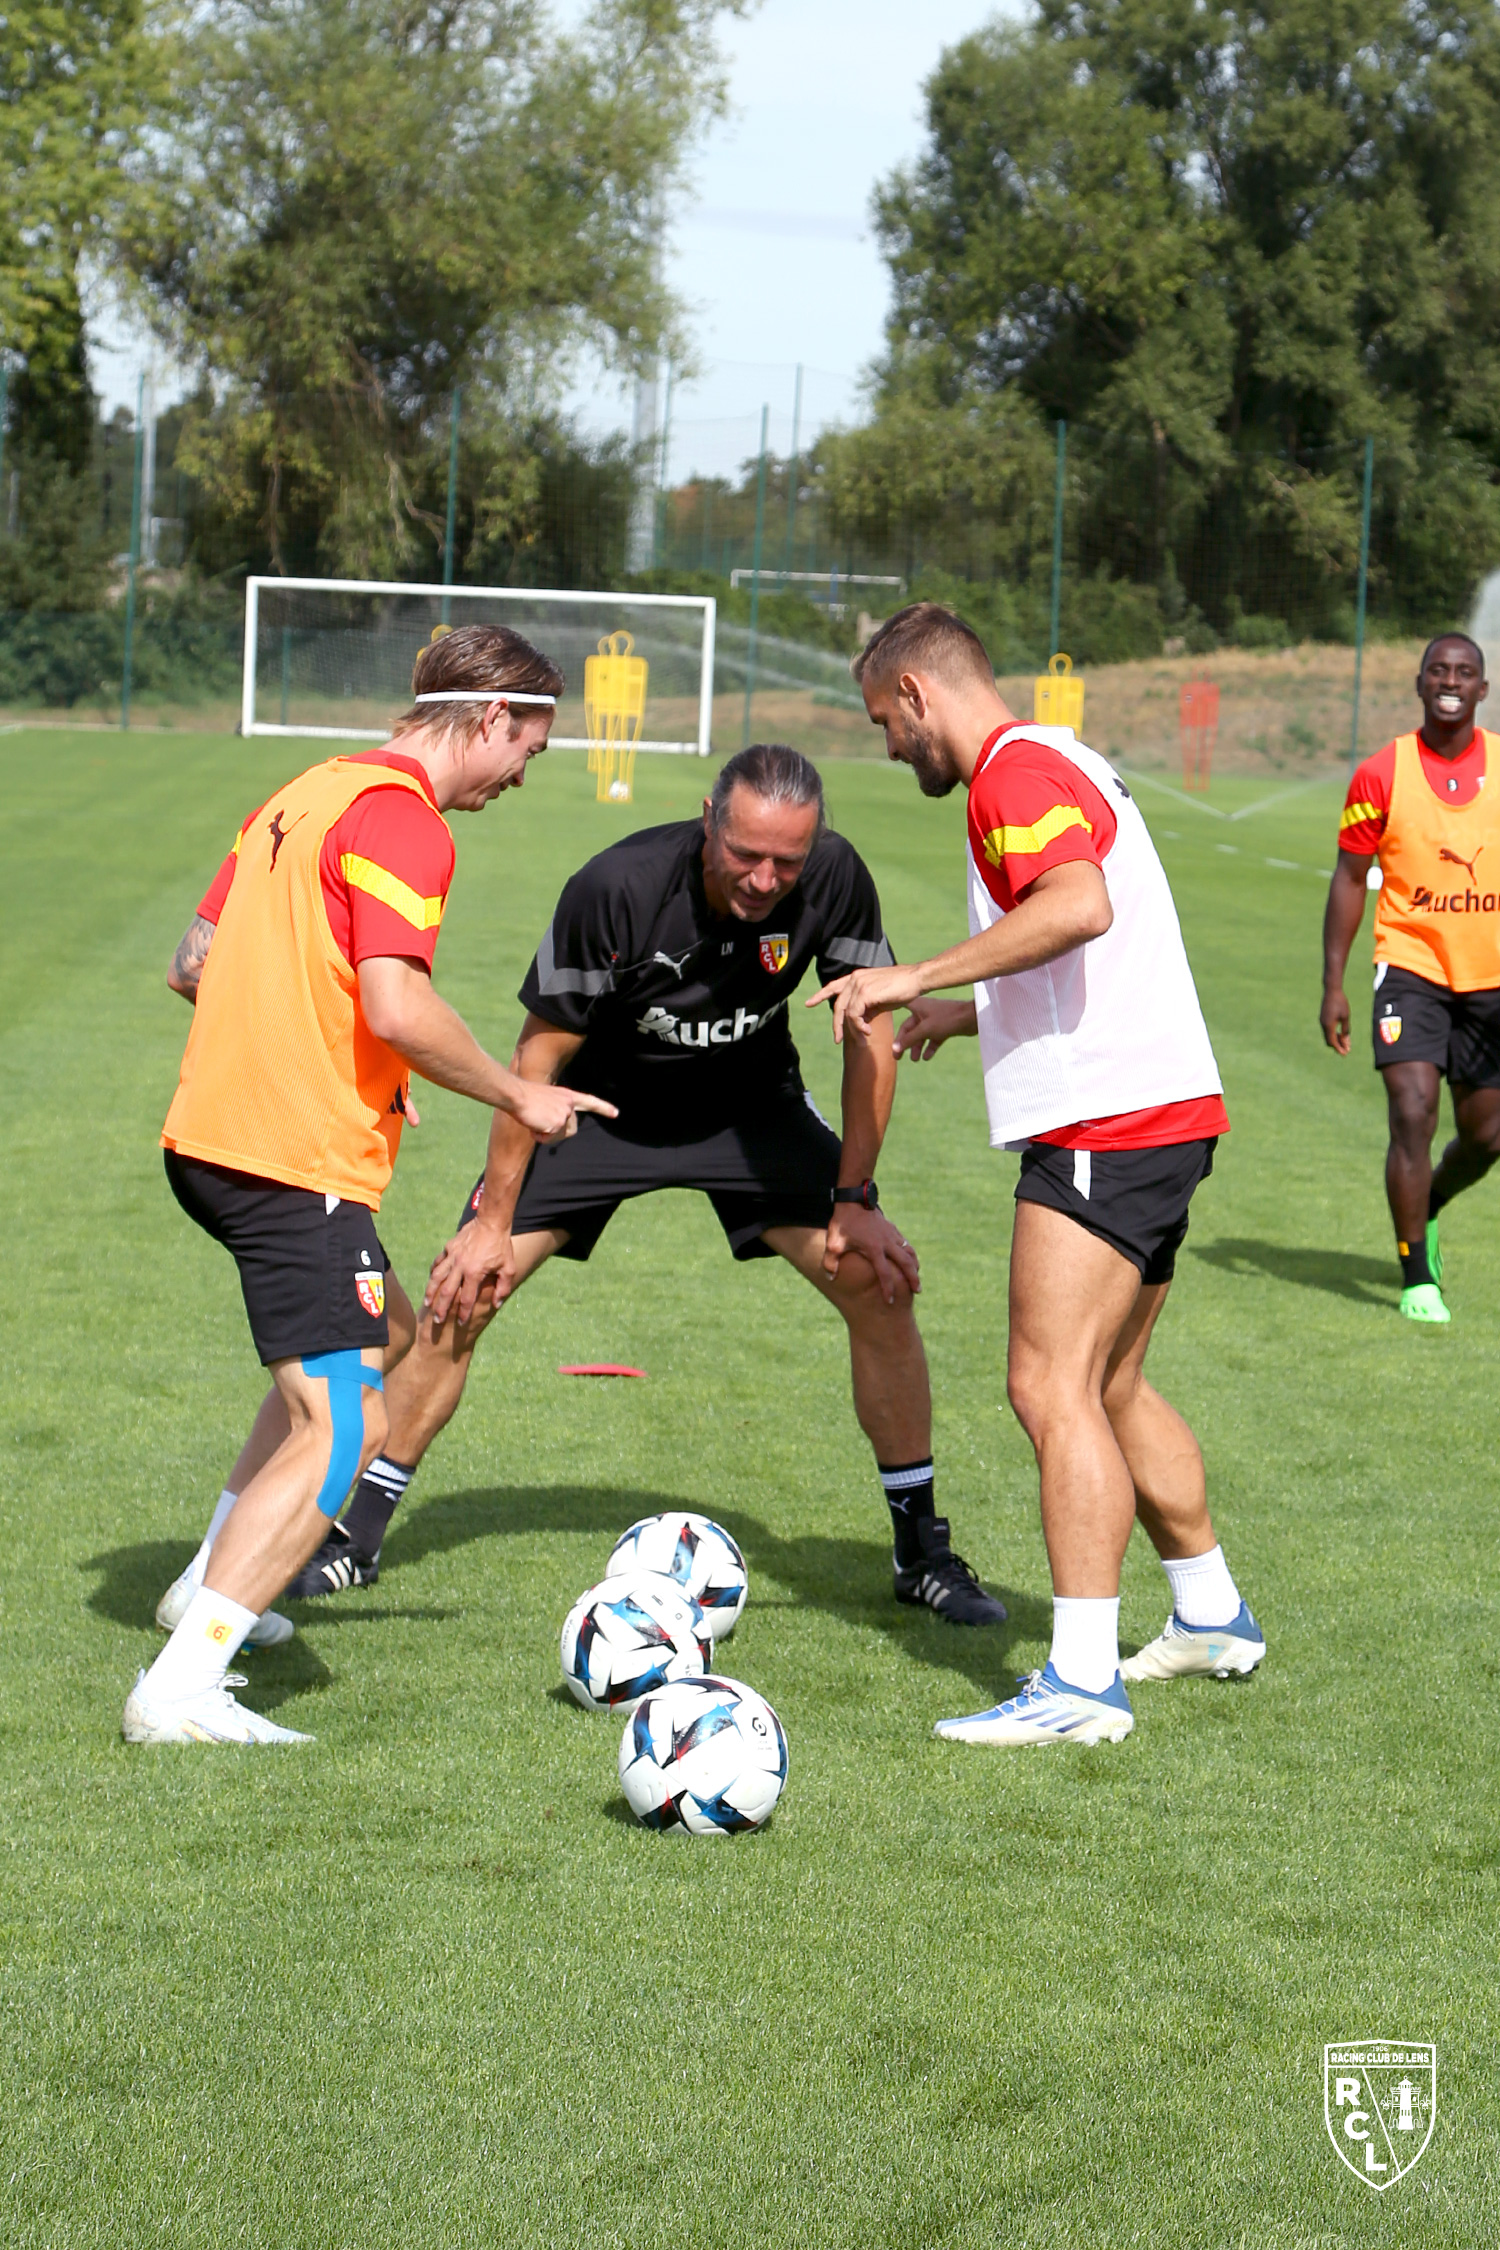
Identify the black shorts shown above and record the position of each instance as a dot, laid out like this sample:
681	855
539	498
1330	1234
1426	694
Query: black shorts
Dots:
313	1279
1416	1020
1135	1199
776	1167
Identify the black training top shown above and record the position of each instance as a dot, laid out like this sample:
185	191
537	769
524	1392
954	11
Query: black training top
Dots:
685	1011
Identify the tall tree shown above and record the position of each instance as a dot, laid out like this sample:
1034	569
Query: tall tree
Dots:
353	206
73	77
1237	240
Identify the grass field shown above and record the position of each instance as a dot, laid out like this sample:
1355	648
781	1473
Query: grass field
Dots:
424	1984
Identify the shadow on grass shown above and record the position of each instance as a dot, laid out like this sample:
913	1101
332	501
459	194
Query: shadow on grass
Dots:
132	1581
1365	1281
849	1579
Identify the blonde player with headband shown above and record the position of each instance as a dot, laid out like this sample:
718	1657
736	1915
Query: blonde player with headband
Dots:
309	967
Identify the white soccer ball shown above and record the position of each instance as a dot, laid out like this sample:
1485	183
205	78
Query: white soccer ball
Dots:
698	1555
629	1635
706	1756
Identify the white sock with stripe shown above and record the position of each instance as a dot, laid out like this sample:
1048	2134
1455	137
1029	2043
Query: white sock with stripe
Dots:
1086	1641
199	1652
1203	1593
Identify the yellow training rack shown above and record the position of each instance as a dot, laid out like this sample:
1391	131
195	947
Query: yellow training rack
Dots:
614	711
1058	698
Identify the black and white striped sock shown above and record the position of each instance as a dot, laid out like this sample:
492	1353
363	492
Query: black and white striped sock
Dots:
908	1493
374	1502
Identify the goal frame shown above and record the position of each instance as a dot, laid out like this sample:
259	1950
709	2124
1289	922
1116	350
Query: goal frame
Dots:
249	724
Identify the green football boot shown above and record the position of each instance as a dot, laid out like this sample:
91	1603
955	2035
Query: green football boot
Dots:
1434	1253
1424	1302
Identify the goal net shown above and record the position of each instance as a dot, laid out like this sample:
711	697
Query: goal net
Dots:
333	657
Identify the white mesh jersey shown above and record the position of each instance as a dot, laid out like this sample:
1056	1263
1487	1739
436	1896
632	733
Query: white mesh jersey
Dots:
1110	1026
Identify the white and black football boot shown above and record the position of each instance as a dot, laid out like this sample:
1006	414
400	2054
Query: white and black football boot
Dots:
337	1565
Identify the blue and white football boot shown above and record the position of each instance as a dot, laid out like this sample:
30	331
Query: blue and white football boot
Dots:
1047	1710
1179	1650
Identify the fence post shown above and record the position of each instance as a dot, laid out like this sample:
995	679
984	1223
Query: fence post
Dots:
458	392
1057	531
791	482
1359	607
135	551
659	514
4	405
760	526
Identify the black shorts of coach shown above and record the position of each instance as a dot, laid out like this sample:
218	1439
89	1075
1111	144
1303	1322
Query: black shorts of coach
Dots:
313	1278
1135	1199
1415	1020
773	1167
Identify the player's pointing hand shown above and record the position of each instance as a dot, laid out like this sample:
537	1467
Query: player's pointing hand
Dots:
864	994
551	1113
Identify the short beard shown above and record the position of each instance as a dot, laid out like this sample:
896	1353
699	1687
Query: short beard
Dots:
931	762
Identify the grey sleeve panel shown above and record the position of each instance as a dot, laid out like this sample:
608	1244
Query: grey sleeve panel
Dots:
860	953
550	978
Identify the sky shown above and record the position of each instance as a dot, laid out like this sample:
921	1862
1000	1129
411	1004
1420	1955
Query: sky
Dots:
771	250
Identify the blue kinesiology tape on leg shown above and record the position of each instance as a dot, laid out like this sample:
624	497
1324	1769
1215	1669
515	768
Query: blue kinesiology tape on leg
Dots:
347	1378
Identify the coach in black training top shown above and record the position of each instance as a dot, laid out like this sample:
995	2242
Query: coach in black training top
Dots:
663	982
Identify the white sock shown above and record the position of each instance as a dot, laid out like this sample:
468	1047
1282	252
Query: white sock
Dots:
216	1522
1086	1641
198	1654
1203	1593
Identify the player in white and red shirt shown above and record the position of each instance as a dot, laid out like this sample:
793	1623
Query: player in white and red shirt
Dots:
1098	1066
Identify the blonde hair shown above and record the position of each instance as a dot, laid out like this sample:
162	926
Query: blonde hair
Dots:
474	660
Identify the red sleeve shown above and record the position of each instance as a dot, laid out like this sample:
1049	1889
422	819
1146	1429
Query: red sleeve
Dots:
1031	809
1368	804
386	865
211	905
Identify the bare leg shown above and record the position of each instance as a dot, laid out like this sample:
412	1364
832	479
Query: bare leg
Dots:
1412	1092
892	1397
1475	1145
272	1426
1070	1298
1160	1450
423	1398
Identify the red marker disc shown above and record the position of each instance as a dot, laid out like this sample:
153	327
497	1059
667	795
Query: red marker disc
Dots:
602	1367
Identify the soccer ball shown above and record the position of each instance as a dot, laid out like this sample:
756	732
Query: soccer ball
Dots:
707	1756
629	1635
696	1554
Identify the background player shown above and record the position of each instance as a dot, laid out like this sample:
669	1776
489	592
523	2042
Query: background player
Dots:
287	1118
1097	1061
1421	807
662	983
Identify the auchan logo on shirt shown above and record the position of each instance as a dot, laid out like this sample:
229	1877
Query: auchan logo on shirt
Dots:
719	1031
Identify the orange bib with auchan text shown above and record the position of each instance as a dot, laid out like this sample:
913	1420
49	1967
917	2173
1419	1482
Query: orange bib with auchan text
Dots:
282	1076
1439	908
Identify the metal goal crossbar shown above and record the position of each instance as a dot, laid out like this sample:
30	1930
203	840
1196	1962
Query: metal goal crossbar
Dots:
330	656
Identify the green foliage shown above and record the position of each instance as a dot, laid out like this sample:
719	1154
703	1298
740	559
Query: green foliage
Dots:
73	80
350	209
59	555
1225	247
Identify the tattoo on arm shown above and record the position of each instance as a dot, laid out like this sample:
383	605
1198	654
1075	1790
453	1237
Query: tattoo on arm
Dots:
188	960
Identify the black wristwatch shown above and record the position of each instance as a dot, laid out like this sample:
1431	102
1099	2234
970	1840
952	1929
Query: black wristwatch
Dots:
866	1195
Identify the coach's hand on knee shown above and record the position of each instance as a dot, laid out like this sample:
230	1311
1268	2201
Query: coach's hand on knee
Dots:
871	1236
480	1260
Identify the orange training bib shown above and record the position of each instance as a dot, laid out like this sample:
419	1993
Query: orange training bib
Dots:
1439	908
282	1076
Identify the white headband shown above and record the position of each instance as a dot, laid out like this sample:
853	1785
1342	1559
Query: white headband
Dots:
485	695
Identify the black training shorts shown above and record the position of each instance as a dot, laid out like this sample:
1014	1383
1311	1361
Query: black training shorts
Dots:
1135	1199
776	1167
1416	1020
313	1278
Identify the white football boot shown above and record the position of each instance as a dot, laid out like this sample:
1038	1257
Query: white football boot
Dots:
1046	1710
213	1716
1180	1651
269	1630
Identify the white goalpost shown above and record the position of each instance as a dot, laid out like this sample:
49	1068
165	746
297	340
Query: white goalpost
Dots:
332	657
